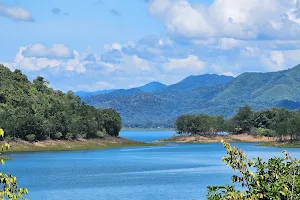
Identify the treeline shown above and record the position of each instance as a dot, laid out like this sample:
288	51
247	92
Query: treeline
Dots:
33	111
275	122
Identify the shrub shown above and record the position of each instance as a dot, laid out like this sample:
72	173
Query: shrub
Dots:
262	132
8	184
69	136
57	135
30	137
101	134
278	178
80	136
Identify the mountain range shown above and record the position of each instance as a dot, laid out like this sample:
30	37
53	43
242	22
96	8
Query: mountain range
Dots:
158	105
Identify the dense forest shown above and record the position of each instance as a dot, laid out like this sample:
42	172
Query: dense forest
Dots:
33	111
209	94
275	122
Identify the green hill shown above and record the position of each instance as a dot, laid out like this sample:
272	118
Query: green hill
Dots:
33	111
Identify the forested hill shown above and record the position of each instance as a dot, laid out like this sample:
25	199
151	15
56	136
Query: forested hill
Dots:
33	111
208	94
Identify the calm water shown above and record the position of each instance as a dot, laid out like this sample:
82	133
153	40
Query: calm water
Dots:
175	171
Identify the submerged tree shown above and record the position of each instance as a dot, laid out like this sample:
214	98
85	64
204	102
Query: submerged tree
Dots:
278	178
9	188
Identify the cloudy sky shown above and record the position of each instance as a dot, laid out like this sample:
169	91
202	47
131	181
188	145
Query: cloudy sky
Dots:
103	44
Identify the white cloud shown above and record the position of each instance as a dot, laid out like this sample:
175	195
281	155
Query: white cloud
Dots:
53	58
16	13
229	43
189	65
246	19
113	46
40	51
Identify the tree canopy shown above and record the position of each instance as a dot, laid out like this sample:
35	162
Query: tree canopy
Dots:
33	111
275	122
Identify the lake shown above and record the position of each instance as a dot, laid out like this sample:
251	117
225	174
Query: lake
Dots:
174	171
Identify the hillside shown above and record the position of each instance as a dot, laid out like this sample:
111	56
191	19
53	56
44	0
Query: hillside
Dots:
164	105
209	94
83	94
33	111
270	87
192	82
150	87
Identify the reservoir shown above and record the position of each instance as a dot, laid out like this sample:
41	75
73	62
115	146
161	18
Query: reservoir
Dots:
172	171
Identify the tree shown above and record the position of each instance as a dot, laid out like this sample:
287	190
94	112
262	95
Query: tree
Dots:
277	178
200	124
243	119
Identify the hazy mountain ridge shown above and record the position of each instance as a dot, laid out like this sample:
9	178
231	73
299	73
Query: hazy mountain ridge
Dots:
137	107
150	87
209	93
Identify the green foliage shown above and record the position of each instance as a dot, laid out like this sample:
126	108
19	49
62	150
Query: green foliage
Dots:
30	137
101	134
58	135
243	119
275	122
69	136
9	188
277	178
199	124
262	132
35	109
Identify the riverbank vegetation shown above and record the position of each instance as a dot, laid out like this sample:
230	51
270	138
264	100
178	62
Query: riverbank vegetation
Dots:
71	145
277	178
33	111
277	124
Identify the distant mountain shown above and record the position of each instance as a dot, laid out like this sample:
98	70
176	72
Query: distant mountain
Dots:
84	94
269	87
193	82
162	104
152	87
209	93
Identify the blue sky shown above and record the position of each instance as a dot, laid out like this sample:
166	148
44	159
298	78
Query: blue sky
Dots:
103	44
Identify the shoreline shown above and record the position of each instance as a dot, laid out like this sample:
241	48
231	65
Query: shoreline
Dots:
281	144
72	145
197	139
148	129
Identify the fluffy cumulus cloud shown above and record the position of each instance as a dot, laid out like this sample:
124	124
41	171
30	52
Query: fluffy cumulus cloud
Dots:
244	19
191	64
36	57
40	51
15	12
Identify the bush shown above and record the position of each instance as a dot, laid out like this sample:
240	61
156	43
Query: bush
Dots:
30	137
262	132
69	136
80	136
101	134
277	178
57	135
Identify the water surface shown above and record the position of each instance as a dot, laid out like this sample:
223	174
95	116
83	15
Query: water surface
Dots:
175	171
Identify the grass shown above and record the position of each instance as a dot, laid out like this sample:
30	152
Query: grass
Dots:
64	145
281	144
